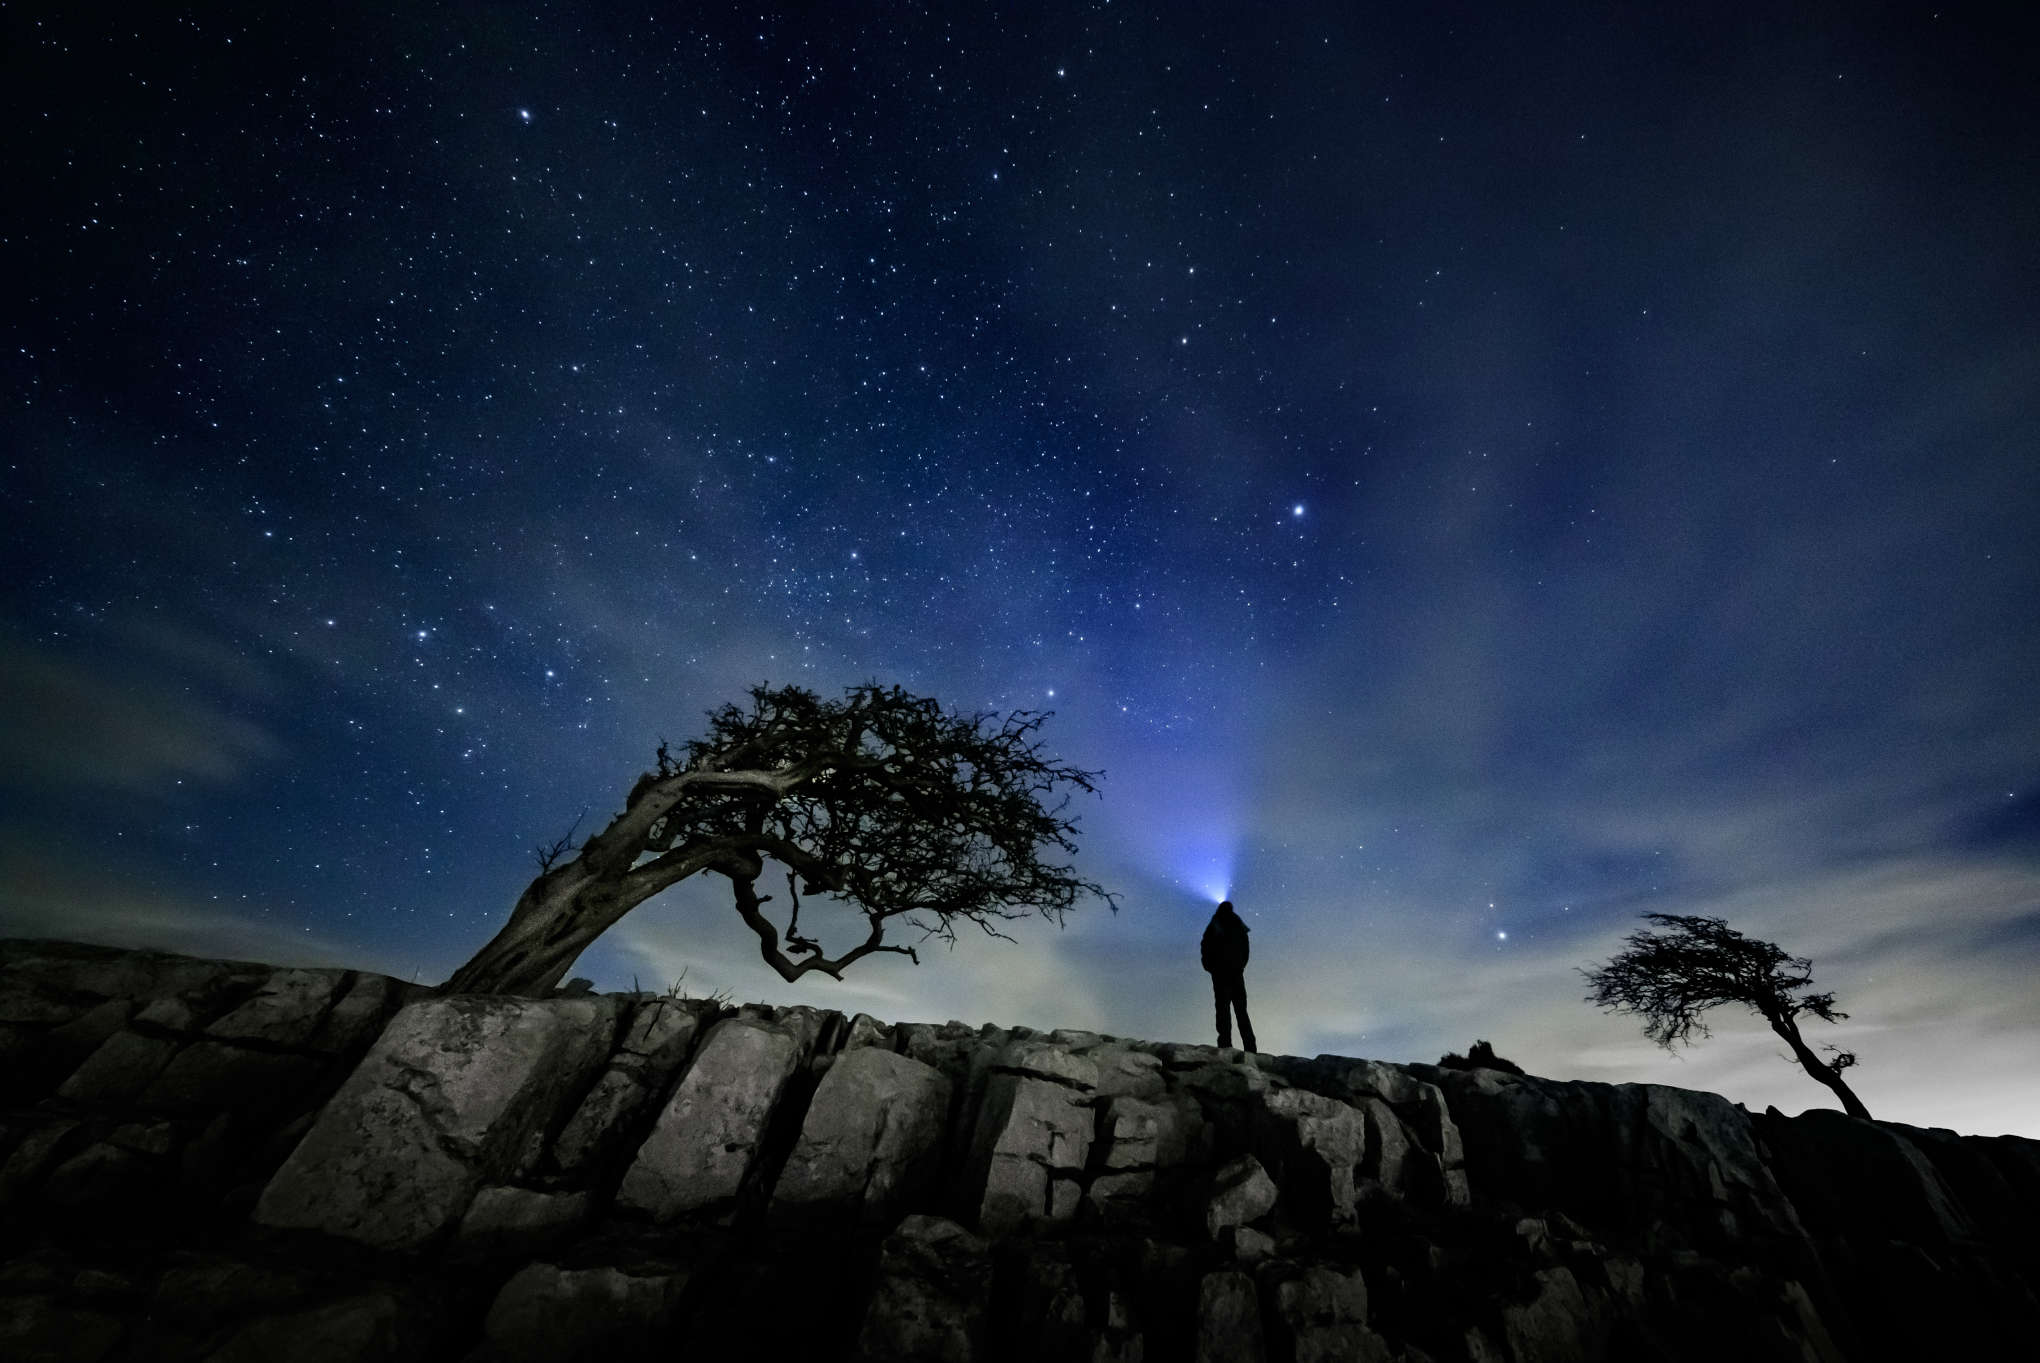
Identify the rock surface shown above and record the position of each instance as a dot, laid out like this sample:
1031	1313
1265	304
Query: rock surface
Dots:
871	1141
928	1306
206	1160
446	1100
709	1134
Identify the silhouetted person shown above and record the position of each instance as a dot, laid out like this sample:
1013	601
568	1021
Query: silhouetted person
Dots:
1224	953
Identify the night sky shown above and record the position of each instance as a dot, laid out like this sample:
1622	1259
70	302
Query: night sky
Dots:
1469	475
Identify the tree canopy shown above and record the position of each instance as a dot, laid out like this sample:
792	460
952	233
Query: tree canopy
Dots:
1673	976
919	818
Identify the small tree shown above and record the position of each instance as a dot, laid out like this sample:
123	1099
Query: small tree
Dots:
913	815
1670	978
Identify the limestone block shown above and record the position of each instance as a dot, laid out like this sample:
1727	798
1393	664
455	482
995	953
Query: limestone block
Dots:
204	1293
1323	1312
35	1153
1432	1120
446	1100
1229	1319
928	1306
1052	1313
1028	1132
146	1138
1393	1155
1146	1145
30	999
1698	1141
1075	1039
35	1329
504	1219
285	1011
1135	1131
368	1326
172	1015
20	1049
1122	1194
214	1076
117	1074
1320	1144
1228	1093
1123	1071
1249	1246
1854	1177
209	1158
866	1030
546	1313
804	1024
1420	1103
707	1137
605	1119
1548	1328
84	1034
72	969
1241	1192
1044	1059
871	1140
358	1015
661	1033
1637	1155
947	1046
101	1175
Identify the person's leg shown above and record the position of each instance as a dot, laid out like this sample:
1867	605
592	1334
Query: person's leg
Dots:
1239	985
1222	1006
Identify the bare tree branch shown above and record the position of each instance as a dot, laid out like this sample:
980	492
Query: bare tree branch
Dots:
546	856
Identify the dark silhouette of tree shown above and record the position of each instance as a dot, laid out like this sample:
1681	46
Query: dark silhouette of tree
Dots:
915	816
1669	978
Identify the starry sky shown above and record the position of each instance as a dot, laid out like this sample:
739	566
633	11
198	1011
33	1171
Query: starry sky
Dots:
1469	475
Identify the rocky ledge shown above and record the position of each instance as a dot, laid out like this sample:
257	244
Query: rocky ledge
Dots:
213	1160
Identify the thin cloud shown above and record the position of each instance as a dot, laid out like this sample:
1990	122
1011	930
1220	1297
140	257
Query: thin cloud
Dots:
66	724
46	893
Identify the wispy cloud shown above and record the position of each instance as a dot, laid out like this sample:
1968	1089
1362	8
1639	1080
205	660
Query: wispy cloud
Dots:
59	891
68	723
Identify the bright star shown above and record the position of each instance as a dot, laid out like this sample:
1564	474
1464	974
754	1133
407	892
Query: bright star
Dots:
1296	510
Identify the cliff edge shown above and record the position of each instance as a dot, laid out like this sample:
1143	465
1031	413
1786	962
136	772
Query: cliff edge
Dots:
216	1160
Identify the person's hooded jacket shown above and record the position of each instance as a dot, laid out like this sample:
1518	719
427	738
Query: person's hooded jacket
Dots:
1224	948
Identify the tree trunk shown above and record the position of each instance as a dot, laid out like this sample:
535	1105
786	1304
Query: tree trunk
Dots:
553	923
1822	1071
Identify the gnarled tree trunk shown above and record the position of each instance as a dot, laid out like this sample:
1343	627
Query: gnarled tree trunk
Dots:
1818	1068
554	921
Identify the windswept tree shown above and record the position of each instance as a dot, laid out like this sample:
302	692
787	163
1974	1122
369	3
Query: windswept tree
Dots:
920	819
1670	977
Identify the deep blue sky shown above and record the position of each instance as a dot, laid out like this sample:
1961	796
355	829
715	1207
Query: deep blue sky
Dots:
1470	475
